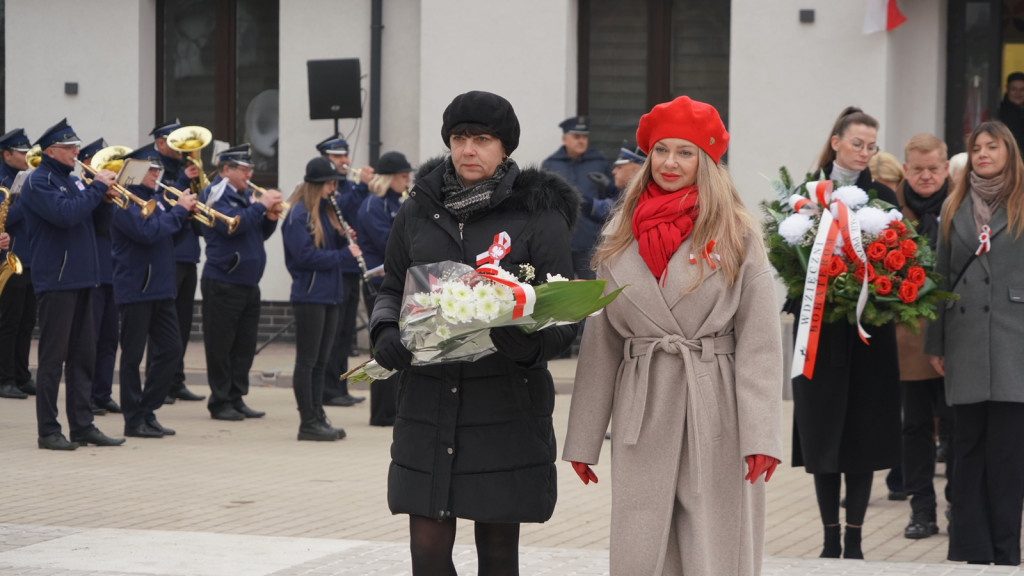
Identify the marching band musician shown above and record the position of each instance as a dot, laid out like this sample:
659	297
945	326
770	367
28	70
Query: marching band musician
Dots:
143	251
18	299
58	210
230	283
348	196
186	254
314	253
104	311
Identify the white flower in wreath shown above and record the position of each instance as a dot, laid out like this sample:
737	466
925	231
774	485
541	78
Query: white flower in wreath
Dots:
795	227
895	215
852	196
873	220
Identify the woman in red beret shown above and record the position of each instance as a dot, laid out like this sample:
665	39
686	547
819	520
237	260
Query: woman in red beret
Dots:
686	363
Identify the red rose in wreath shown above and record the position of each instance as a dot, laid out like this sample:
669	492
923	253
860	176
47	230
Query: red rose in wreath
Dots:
889	237
883	285
916	275
908	292
876	251
895	261
909	248
836	266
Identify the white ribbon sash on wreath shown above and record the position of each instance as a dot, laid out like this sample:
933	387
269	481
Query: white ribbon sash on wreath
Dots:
812	301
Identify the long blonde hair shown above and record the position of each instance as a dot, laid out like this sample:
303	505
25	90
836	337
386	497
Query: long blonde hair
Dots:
721	217
309	194
1013	179
380	184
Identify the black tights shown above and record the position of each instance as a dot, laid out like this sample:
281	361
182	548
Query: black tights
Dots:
431	543
858	492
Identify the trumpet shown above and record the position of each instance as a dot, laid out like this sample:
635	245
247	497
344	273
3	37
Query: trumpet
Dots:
258	192
124	195
189	140
204	214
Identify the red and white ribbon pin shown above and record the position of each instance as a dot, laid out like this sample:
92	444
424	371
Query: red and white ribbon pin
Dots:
986	240
498	249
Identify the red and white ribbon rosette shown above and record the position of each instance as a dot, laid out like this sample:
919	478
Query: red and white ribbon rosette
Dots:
487	266
812	302
498	249
985	239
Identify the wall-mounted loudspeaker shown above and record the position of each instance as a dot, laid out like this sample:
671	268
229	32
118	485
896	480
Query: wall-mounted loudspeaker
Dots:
334	89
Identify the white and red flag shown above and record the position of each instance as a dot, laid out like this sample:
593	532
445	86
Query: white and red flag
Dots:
882	15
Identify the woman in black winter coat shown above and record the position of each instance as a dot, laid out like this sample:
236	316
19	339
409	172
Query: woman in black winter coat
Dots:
846	418
475	440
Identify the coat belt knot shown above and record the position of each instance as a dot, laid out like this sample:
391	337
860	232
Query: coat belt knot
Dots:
642	350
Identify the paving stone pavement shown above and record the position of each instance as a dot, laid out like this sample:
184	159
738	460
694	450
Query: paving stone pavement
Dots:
245	498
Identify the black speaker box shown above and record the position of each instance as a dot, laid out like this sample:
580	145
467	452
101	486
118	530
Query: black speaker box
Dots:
334	89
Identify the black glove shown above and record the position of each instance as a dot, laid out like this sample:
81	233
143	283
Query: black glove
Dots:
601	179
389	351
518	345
587	206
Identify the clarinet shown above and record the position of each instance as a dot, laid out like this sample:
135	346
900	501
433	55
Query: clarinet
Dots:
347	230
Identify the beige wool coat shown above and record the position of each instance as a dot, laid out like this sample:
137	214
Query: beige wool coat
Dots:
692	384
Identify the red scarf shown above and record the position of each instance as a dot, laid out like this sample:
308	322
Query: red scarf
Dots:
661	222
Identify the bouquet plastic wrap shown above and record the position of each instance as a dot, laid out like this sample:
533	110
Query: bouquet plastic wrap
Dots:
448	309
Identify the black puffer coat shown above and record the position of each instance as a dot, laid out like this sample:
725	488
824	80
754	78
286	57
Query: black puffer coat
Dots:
475	440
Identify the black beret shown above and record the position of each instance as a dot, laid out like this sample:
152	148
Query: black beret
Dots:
486	109
393	163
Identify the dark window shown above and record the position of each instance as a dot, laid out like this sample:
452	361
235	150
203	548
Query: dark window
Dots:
218	68
973	68
633	56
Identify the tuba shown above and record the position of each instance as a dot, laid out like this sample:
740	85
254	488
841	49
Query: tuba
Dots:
34	156
11	264
189	140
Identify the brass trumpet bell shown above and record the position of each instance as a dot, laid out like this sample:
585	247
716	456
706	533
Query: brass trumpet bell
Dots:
34	156
110	158
189	138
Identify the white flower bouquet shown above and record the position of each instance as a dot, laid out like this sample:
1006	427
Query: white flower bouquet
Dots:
448	309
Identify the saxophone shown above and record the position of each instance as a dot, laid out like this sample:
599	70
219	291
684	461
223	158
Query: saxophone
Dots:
11	264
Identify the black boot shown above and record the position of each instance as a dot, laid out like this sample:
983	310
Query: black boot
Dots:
851	543
831	549
313	429
338	432
922	525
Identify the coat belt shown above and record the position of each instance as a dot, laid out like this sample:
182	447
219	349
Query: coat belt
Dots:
644	349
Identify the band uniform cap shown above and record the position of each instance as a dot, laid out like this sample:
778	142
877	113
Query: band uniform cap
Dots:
241	155
484	108
147	152
321	169
688	119
333	145
90	149
393	163
15	140
626	156
162	130
576	125
59	133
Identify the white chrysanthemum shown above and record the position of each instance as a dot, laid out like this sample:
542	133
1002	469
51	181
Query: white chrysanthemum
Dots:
895	215
423	299
487	309
794	228
556	278
503	293
484	291
872	220
447	306
442	331
852	196
435	299
506	275
459	291
464	310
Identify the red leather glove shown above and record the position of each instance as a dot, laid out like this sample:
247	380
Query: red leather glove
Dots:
758	464
584	472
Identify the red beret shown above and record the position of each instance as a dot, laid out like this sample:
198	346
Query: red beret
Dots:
687	119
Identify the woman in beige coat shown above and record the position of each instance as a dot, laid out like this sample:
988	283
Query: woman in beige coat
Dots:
686	363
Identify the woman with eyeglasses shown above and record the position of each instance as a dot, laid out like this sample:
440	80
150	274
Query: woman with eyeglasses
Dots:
846	417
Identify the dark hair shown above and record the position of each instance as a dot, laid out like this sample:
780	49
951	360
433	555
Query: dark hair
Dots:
849	116
1014	77
471	129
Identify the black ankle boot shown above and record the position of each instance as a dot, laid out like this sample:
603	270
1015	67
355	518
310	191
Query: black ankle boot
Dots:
851	544
339	433
831	549
314	429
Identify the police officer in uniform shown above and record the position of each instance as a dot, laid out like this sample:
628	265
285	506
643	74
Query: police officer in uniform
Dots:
179	174
230	283
574	161
18	300
348	198
58	209
104	311
144	289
